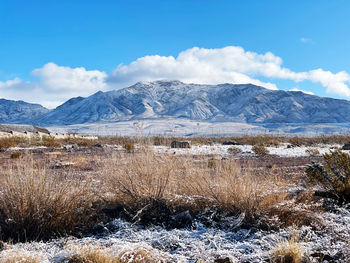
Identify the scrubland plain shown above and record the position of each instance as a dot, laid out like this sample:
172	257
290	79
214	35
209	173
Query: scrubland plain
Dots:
51	190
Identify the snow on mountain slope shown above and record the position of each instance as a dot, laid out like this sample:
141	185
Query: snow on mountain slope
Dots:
20	112
224	102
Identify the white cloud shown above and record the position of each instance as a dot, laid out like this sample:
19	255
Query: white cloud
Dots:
229	64
58	78
54	84
335	83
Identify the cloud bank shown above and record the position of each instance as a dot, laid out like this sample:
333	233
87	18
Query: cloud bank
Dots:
54	84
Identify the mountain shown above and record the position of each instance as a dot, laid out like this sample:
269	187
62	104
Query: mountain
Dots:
225	102
20	112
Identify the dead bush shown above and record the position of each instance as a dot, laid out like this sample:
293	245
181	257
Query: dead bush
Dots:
234	150
147	180
15	155
49	141
287	252
15	256
9	142
129	147
212	164
260	150
90	254
38	204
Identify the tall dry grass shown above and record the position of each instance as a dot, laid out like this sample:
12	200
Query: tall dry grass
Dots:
18	256
88	253
179	183
287	252
38	203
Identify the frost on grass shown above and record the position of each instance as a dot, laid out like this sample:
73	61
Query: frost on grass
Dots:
187	245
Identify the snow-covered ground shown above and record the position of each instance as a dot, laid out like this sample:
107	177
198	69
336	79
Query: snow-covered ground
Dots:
190	128
188	245
218	149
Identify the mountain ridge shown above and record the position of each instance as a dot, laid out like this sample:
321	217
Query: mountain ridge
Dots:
224	102
245	103
20	112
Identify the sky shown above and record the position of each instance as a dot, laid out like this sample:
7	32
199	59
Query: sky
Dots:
53	50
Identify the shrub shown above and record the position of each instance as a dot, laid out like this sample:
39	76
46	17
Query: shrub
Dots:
148	184
90	254
139	255
37	204
287	252
15	155
234	150
15	256
9	142
129	147
334	176
312	151
260	150
49	141
212	164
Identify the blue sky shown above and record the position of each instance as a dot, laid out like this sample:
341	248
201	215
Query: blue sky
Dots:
52	50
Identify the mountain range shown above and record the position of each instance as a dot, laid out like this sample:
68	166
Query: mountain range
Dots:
173	99
20	112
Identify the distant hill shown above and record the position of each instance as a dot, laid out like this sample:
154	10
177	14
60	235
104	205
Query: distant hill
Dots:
20	112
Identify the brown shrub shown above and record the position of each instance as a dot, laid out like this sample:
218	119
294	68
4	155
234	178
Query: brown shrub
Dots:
16	155
287	252
212	164
129	147
90	254
260	150
234	150
36	204
49	141
136	180
9	142
15	256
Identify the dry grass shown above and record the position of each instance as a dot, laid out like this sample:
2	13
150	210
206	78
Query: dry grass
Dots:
6	143
129	147
15	256
36	203
260	150
90	254
138	255
16	155
266	140
100	254
234	150
287	252
137	181
39	202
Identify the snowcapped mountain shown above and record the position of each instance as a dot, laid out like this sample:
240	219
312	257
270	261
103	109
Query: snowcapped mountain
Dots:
225	102
20	112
